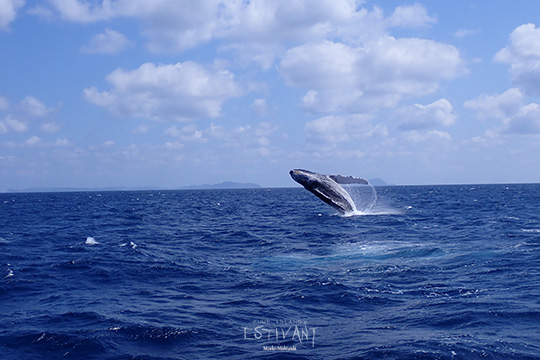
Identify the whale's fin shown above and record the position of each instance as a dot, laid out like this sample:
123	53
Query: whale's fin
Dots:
340	179
321	195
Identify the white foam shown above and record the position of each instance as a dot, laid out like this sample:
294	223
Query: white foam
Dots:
131	244
91	241
9	274
372	212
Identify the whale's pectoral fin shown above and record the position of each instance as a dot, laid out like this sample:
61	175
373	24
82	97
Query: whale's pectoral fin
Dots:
322	196
340	179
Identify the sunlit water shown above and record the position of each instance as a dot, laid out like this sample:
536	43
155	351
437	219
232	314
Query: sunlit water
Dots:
434	272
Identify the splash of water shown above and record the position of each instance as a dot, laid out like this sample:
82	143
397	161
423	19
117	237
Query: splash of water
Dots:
363	196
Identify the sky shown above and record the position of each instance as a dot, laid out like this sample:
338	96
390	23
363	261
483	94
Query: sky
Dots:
136	93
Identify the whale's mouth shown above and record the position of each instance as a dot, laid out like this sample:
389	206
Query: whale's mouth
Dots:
297	175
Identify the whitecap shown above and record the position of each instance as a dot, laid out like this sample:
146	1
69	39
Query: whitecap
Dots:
91	241
131	244
9	274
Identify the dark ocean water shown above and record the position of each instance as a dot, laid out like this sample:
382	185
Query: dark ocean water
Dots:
433	272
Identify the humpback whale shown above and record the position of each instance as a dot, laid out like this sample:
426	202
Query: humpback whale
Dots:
328	187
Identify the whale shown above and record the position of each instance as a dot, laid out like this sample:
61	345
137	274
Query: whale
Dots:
328	188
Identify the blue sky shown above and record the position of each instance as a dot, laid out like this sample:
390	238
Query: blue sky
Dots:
172	93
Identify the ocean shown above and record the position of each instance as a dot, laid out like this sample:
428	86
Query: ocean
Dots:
427	272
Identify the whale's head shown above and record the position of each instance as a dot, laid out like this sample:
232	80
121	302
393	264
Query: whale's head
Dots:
303	177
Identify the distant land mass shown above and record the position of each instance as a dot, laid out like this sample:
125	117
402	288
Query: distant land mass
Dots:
222	185
379	182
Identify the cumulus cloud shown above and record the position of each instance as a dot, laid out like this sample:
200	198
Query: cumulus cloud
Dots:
63	142
50	127
141	129
23	113
410	16
250	139
4	104
180	91
523	55
11	123
438	113
256	30
489	138
526	121
33	107
183	24
260	107
378	73
432	136
83	11
463	33
8	11
343	128
188	133
497	106
33	141
108	42
509	107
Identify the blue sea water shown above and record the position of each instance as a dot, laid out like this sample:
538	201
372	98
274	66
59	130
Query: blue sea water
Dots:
430	272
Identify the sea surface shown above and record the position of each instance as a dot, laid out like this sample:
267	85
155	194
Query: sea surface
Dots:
427	272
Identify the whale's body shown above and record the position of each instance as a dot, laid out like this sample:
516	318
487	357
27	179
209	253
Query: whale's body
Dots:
328	187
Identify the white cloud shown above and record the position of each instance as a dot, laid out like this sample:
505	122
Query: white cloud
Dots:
174	145
438	113
523	55
188	133
509	107
343	128
463	33
108	42
4	104
489	138
33	107
141	129
260	107
183	24
410	16
525	122
33	141
10	123
84	11
8	11
180	91
63	142
50	127
252	140
497	106
379	73
431	136
257	30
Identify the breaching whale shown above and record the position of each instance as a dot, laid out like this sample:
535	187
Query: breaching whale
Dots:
328	187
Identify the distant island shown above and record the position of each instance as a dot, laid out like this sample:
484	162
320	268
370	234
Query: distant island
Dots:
379	182
222	185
